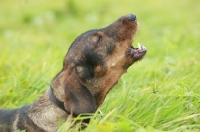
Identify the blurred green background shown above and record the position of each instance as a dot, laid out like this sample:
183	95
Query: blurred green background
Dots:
35	36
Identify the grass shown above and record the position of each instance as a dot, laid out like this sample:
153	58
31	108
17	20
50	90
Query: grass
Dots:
160	93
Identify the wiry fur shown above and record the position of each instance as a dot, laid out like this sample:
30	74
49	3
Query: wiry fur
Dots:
94	63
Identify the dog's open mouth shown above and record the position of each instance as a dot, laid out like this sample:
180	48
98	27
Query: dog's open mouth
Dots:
137	53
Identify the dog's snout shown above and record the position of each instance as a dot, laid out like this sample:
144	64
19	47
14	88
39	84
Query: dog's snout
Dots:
132	17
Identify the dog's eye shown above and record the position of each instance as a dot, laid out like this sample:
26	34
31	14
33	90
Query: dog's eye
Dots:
99	39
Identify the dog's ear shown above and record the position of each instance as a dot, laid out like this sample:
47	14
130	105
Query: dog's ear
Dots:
78	99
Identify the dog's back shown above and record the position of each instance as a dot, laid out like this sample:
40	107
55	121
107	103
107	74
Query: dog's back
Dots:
7	119
17	119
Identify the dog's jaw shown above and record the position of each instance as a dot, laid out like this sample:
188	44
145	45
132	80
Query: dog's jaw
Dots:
137	53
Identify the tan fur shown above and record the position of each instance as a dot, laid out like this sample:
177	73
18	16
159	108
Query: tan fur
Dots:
93	65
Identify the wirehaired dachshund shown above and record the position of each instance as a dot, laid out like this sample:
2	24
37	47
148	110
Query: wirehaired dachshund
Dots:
93	65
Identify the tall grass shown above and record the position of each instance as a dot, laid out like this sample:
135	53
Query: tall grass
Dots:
157	94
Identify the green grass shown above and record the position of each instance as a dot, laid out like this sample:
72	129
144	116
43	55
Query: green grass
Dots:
160	93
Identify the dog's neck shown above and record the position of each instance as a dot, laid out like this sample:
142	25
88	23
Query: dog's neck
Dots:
57	102
44	109
59	83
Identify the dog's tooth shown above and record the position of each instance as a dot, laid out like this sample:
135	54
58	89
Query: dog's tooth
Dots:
139	46
143	47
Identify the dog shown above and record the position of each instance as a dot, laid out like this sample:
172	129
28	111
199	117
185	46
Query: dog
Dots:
92	66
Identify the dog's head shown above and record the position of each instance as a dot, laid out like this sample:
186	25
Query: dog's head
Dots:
95	61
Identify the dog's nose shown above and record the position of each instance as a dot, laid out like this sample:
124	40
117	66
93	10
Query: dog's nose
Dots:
132	17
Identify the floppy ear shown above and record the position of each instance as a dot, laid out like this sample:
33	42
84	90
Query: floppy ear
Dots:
78	99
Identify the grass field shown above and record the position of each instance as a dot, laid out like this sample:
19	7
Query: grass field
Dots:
159	93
